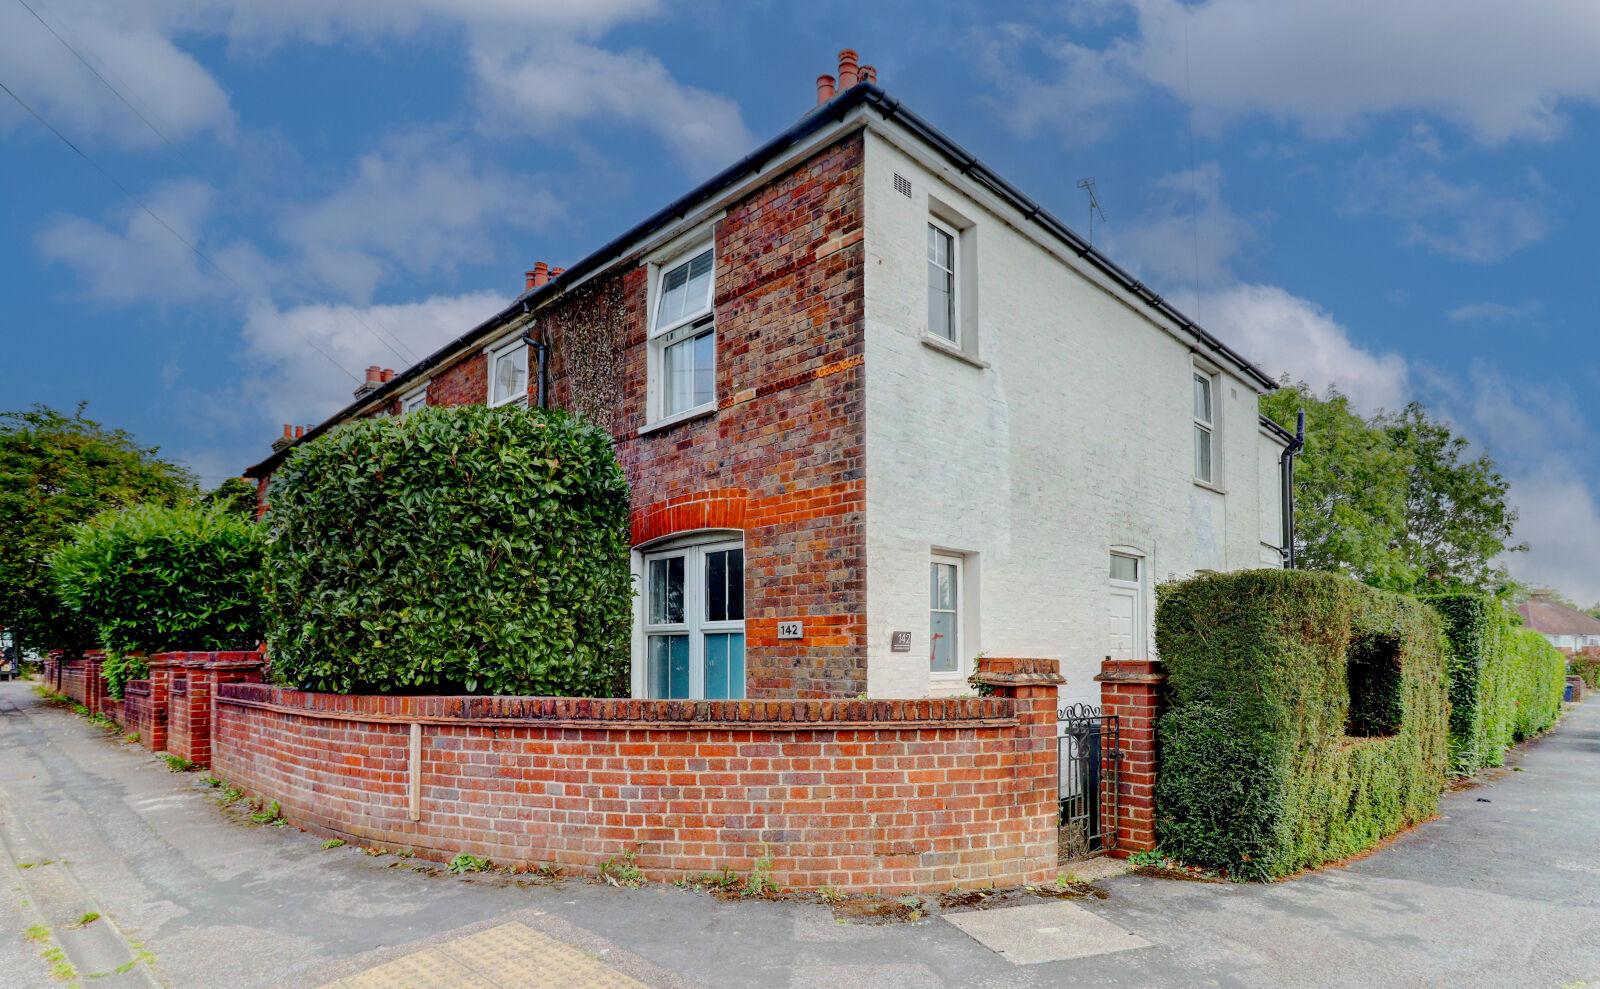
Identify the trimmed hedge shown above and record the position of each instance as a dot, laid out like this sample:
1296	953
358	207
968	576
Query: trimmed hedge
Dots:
152	579
448	550
1587	666
1506	681
1266	768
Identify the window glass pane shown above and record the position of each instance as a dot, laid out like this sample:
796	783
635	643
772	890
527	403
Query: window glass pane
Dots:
1124	567
673	285
667	672
666	591
944	586
704	367
736	586
697	294
688	373
1202	453
510	374
1202	398
716	587
941	284
685	290
725	666
943	637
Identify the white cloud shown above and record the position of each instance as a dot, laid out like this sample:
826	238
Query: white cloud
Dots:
1500	70
543	86
1078	99
169	86
414	208
1192	237
1560	521
289	381
1286	334
1493	312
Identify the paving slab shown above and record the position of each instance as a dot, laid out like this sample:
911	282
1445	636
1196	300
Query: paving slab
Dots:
1045	932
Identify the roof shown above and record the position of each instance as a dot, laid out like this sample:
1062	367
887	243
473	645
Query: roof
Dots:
1554	618
828	114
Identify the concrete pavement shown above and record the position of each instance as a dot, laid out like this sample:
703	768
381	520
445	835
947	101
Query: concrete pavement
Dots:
1502	890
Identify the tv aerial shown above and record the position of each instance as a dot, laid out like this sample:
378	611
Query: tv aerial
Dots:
1087	185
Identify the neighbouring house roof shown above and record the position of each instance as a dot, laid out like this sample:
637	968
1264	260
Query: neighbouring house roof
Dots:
827	115
1555	618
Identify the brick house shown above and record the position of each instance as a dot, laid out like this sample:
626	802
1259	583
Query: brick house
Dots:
1568	629
881	413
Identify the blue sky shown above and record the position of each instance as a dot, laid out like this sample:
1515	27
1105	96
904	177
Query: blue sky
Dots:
1350	191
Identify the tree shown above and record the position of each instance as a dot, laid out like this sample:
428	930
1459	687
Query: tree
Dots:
1457	520
1350	488
57	471
236	495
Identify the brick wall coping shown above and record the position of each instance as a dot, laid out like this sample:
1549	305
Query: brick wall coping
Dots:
583	712
1008	671
231	660
140	687
1131	671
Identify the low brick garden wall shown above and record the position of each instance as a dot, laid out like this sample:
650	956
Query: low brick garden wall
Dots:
889	795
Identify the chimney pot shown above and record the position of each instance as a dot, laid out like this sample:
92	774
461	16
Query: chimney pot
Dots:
388	375
373	371
556	272
824	89
527	281
848	73
869	74
288	431
299	431
541	274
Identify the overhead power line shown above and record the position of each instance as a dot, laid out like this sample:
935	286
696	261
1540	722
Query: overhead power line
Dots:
157	217
392	342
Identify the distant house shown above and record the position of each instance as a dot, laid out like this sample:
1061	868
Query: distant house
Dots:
880	412
1568	629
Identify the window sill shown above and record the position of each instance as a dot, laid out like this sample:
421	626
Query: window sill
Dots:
695	413
1209	486
951	350
522	400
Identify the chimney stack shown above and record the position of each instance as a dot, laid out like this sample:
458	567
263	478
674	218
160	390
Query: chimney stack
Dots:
824	89
374	379
849	75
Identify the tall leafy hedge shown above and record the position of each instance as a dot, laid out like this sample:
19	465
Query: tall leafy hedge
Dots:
1265	767
152	579
452	549
1506	681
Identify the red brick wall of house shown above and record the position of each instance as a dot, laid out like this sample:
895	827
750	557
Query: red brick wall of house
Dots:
882	795
782	458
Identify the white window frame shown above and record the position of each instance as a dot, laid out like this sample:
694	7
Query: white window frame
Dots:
963	661
494	353
694	548
413	400
956	328
665	335
1134	589
1207	426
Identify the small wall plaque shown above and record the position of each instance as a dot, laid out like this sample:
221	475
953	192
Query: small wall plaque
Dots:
791	630
901	642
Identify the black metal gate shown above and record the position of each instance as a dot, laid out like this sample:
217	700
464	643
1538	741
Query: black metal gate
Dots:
1088	774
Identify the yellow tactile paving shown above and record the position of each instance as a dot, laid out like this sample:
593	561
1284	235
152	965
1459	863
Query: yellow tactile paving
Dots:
511	956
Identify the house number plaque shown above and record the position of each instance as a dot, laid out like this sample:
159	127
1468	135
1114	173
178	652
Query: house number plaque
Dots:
791	630
901	642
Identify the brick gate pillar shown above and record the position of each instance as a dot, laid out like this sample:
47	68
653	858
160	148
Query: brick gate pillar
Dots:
161	669
1132	691
1033	684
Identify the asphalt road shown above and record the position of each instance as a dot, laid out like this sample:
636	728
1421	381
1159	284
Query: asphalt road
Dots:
1502	890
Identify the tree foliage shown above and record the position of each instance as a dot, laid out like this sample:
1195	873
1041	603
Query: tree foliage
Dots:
157	578
1397	500
56	472
236	496
453	549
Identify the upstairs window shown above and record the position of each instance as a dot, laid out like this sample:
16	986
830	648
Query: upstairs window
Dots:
683	336
1204	422
694	621
508	373
943	319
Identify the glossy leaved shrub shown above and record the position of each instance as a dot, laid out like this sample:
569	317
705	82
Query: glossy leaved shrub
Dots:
152	579
448	550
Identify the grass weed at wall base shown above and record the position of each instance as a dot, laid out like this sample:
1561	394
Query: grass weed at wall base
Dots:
1263	769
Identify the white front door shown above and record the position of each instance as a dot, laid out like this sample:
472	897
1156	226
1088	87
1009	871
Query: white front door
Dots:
1125	616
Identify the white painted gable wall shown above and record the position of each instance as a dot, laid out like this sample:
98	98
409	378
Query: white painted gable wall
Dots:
1077	437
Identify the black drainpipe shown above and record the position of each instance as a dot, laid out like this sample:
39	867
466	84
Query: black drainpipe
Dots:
1286	461
543	350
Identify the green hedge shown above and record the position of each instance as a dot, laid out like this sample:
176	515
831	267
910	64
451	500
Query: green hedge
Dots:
152	579
452	549
1587	666
1506	681
1265	767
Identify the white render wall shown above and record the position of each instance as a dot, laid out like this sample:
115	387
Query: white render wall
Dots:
1075	437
